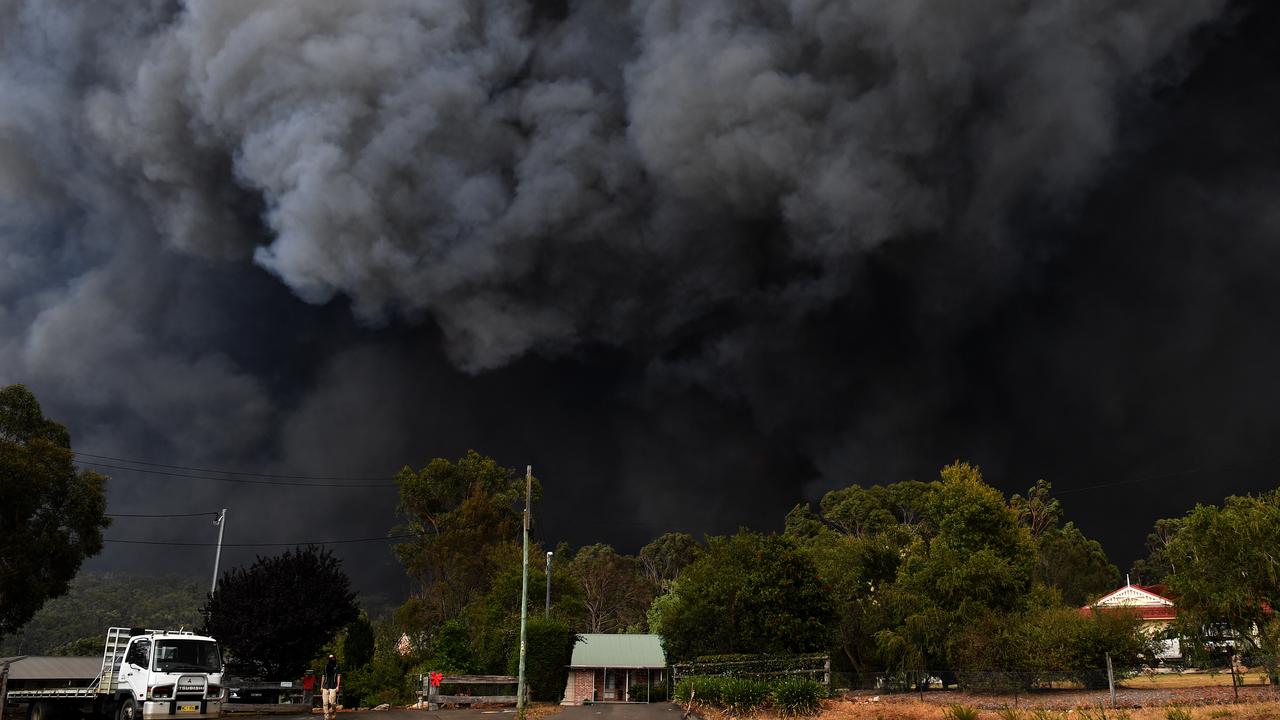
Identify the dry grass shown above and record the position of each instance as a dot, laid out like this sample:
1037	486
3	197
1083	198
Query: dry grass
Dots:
1187	680
847	710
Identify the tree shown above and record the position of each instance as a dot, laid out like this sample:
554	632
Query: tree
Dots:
615	594
1074	564
548	652
1157	565
978	561
1226	572
357	643
458	513
51	515
748	594
276	615
667	556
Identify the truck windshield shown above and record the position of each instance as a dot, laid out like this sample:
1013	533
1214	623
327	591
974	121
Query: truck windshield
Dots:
188	656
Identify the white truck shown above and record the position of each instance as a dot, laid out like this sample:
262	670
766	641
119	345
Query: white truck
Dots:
143	674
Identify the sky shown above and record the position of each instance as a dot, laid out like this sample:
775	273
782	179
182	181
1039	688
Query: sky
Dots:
694	263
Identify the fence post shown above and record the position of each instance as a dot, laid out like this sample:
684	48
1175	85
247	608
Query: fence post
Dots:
4	687
1111	680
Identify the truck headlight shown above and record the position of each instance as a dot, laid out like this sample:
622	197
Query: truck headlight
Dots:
162	691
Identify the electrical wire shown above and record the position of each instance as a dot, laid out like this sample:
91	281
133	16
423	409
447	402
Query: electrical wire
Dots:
270	544
242	481
161	515
220	471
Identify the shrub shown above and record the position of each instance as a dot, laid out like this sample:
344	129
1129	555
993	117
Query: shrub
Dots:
546	660
960	712
708	690
743	695
1177	714
798	696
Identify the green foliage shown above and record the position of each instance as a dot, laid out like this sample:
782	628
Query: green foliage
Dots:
451	651
549	647
1075	565
1225	567
53	514
275	615
1010	713
960	712
386	678
797	696
1177	713
356	649
615	592
667	556
97	601
459	514
743	695
749	593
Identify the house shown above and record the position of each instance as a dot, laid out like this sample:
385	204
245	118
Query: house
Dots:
615	668
1150	604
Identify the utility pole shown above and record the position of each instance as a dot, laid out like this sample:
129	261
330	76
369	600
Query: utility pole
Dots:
524	591
221	522
548	615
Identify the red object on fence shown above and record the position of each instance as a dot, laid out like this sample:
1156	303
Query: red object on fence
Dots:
436	678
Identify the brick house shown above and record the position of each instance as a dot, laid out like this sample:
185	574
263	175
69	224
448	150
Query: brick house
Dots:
615	668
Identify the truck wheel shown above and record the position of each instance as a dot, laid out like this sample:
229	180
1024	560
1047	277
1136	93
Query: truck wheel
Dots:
128	710
39	711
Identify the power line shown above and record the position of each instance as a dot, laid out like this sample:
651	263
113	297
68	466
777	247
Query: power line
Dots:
221	471
270	544
242	481
161	515
1127	482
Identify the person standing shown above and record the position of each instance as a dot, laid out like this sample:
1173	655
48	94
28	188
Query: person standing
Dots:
308	688
330	682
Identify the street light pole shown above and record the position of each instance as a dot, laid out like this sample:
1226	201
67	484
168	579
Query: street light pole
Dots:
221	522
548	615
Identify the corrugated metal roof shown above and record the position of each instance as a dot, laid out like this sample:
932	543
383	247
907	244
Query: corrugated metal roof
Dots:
618	651
34	667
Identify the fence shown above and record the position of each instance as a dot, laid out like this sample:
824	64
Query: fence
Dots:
813	667
431	684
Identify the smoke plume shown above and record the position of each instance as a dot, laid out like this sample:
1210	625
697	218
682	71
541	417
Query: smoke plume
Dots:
697	261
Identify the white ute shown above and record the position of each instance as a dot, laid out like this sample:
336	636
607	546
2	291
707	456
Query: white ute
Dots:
144	674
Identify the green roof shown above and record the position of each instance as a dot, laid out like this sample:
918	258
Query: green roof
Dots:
618	651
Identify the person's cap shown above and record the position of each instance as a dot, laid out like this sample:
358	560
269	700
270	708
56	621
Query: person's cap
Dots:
330	656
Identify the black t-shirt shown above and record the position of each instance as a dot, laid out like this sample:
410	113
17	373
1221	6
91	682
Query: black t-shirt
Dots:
330	675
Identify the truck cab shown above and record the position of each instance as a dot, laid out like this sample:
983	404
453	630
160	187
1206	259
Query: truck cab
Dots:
169	674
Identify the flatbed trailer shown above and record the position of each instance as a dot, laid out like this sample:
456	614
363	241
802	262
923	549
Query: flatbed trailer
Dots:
143	675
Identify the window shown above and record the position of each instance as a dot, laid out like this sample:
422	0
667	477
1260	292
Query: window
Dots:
139	653
174	655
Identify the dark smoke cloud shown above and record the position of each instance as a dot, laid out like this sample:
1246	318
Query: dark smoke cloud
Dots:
696	261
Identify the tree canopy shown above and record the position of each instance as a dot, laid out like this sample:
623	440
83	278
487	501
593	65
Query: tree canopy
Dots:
457	513
51	514
747	593
276	615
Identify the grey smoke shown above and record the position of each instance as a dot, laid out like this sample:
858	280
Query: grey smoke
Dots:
708	194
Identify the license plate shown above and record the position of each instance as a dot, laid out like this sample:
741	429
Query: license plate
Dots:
188	708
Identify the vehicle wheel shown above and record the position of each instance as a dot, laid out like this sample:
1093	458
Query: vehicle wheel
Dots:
39	710
128	710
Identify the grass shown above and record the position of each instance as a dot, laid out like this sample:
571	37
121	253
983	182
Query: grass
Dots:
841	710
1187	680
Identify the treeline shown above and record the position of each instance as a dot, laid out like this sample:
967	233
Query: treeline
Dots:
913	575
76	623
942	576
